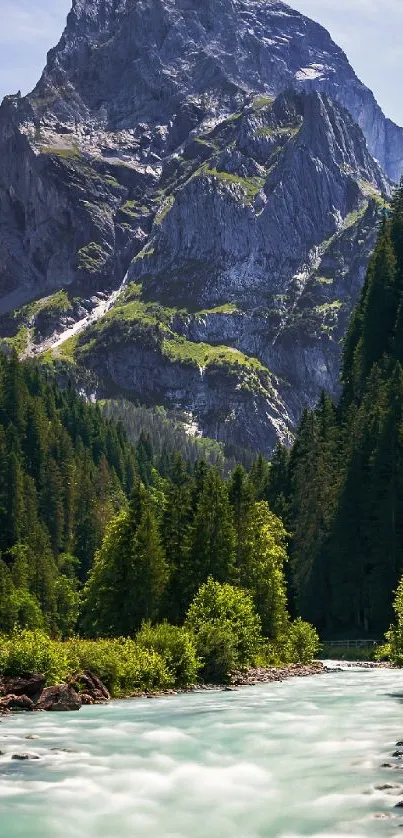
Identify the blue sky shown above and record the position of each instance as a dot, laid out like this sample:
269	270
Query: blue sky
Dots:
368	30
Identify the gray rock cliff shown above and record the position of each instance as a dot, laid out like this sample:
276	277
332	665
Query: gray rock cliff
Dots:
219	163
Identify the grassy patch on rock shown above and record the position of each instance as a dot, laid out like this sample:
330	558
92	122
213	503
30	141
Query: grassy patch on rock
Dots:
91	257
250	186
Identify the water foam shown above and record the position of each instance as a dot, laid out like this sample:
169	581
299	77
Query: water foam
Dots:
284	760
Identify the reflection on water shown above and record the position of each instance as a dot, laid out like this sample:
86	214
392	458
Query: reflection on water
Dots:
299	758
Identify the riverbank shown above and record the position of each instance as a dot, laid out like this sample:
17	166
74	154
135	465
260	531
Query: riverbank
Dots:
28	693
250	678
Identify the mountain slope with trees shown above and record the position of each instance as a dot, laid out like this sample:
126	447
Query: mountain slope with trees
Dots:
340	489
111	540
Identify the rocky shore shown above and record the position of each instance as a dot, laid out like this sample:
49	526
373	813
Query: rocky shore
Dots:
28	692
264	675
250	678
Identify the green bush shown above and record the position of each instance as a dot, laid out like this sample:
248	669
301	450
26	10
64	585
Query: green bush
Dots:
26	609
393	648
121	665
176	646
32	651
217	646
302	642
226	627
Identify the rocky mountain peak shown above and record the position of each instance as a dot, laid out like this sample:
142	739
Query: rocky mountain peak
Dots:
175	63
188	203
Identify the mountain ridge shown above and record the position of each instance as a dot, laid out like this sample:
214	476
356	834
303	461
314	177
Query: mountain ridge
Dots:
237	222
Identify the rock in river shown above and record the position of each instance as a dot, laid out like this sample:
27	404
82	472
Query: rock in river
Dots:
62	697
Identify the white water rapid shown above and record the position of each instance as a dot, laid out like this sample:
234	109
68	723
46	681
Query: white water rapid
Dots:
282	760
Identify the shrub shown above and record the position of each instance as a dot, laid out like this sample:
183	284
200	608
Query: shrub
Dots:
226	626
217	646
393	649
33	651
302	641
26	609
176	646
121	665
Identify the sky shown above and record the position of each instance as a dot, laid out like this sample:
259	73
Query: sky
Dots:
369	31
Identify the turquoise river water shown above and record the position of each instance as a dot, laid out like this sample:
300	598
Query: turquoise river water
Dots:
298	758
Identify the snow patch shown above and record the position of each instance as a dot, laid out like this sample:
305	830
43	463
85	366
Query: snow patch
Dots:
314	71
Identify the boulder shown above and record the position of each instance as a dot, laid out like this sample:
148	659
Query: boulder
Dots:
16	702
87	699
30	684
61	697
24	757
88	683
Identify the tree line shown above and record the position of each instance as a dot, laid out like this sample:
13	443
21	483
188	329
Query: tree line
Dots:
106	539
340	488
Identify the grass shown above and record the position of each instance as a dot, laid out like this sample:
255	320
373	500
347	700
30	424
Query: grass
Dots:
370	191
325	308
212	144
20	341
111	181
131	291
57	303
91	258
164	209
250	186
67	350
134	209
66	153
179	349
354	216
324	280
225	308
232	118
286	130
260	102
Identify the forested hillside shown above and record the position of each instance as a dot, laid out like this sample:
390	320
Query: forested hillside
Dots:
64	471
99	537
341	488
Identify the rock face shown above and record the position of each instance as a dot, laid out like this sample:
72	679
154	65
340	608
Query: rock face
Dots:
216	158
172	62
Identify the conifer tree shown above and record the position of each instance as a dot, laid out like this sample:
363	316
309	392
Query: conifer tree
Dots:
213	536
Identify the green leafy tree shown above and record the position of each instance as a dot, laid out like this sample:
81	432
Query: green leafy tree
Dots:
226	627
263	556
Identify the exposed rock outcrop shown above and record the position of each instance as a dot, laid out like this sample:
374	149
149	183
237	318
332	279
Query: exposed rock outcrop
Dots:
28	692
221	153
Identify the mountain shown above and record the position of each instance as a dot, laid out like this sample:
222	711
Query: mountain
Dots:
214	162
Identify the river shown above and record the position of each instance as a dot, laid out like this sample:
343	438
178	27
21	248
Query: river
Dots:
297	758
